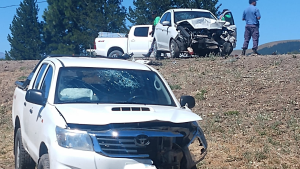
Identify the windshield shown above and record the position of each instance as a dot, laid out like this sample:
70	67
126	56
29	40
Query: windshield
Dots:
185	15
115	86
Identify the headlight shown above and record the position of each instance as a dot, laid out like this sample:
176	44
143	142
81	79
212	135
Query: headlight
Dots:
74	139
197	150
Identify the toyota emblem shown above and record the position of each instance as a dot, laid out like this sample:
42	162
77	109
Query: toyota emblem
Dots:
141	140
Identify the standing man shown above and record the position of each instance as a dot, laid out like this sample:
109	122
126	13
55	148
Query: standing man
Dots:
252	16
155	22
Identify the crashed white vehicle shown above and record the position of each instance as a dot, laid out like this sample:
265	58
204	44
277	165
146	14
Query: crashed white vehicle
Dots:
194	31
97	113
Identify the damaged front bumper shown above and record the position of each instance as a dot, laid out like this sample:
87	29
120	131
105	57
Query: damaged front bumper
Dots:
167	145
205	34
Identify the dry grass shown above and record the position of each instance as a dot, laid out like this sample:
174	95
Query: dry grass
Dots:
250	107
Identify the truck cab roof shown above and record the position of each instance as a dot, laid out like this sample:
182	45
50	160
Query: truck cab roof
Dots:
67	61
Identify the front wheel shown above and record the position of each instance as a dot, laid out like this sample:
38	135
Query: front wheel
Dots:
44	162
227	49
115	54
174	49
22	158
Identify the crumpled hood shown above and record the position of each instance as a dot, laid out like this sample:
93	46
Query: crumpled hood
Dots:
204	23
103	114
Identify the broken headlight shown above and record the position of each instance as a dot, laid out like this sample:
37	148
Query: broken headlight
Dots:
198	145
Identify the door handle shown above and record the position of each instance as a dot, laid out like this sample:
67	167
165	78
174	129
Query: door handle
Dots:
24	103
30	111
132	40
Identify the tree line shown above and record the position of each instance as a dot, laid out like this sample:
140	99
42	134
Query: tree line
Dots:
70	26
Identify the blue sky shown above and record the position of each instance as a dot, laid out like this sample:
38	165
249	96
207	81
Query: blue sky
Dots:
280	19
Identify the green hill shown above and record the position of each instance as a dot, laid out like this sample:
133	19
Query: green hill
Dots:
280	47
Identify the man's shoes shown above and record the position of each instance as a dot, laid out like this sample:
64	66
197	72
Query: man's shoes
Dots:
244	52
147	55
255	52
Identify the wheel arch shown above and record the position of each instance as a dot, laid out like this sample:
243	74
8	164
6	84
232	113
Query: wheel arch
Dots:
43	149
114	48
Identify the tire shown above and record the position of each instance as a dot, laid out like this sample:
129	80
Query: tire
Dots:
22	158
115	54
227	49
44	162
174	49
156	53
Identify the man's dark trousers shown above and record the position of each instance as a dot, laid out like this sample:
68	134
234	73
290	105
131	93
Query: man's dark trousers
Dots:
251	30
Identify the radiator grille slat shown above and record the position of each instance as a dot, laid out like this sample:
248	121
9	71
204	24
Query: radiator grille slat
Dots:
120	146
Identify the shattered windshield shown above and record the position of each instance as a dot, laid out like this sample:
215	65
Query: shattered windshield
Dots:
185	15
115	86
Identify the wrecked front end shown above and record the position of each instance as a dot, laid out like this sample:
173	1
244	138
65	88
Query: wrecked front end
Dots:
168	145
204	35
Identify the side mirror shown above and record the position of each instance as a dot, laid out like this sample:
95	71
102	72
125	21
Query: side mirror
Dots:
189	100
35	96
227	24
166	23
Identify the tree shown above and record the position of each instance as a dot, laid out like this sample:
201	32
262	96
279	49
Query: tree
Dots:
141	13
72	25
25	38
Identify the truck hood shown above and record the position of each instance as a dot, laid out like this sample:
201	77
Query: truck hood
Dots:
102	115
203	23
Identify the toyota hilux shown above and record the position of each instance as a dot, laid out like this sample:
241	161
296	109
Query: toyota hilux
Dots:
99	113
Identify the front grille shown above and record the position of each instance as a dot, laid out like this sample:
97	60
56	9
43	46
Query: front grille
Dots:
121	146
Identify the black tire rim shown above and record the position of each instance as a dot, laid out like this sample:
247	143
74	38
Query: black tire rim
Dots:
115	55
172	49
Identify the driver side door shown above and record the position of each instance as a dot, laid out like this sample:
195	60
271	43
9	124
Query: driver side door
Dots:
158	34
34	114
165	33
229	18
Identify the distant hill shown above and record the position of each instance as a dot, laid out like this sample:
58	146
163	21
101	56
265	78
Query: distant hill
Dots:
278	47
2	55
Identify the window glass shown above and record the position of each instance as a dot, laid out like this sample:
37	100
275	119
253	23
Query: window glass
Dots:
111	86
168	18
47	82
185	15
163	18
141	31
39	76
229	18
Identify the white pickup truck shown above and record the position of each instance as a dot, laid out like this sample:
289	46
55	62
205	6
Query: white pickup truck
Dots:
91	113
138	41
